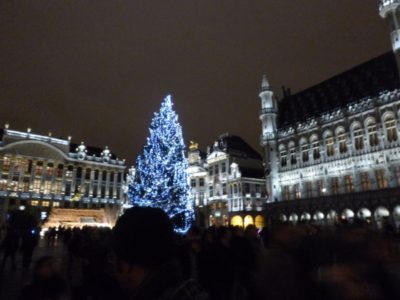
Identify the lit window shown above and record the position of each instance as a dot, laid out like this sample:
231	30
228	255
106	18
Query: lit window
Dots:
6	164
349	184
358	138
297	193
335	185
365	181
36	185
56	204
45	203
381	179
342	142
391	130
330	146
3	184
39	168
57	187
320	187
34	203
372	134
47	187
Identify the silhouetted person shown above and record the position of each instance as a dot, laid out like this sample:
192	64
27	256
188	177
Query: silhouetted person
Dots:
46	284
30	240
144	244
10	245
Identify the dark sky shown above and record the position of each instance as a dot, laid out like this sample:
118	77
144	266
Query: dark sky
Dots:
97	70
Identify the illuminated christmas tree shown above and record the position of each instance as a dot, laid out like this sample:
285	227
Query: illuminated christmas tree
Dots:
161	178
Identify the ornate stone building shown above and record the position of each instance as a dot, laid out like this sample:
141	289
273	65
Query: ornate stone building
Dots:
228	184
45	172
333	150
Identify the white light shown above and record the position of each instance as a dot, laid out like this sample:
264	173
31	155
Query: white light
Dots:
22	207
324	190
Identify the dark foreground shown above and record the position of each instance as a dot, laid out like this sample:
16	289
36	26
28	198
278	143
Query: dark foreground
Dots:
302	262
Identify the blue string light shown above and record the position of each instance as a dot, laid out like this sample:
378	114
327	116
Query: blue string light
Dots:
161	178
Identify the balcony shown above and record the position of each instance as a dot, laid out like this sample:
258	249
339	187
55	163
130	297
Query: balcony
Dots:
386	6
270	110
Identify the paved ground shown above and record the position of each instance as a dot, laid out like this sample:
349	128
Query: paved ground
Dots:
11	282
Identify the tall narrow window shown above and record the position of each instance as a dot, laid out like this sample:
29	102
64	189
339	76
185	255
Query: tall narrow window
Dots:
6	164
309	186
372	134
283	159
297	193
335	185
39	168
391	130
286	192
315	148
342	142
330	146
293	158
365	181
358	137
349	184
381	179
320	187
304	151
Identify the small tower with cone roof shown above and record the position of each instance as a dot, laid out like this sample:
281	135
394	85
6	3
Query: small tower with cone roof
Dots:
390	10
268	117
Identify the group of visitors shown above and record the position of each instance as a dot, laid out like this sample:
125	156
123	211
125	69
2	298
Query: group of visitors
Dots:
142	258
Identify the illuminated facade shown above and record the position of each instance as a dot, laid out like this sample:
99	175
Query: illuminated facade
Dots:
46	172
333	150
227	183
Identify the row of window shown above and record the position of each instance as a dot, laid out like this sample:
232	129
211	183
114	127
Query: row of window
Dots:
341	139
48	170
336	185
217	168
56	187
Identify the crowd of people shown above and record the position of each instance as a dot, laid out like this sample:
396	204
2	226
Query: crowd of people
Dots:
142	258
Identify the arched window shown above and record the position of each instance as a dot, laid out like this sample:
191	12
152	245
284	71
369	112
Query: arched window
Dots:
330	144
283	155
293	156
391	130
358	137
304	150
342	140
372	133
315	148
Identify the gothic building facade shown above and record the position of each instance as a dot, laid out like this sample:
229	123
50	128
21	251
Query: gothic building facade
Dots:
46	172
333	150
228	184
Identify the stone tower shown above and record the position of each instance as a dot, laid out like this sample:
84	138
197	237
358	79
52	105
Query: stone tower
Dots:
268	117
389	10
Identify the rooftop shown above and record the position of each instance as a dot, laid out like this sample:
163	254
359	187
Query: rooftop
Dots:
366	80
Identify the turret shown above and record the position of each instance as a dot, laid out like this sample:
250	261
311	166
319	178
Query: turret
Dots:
389	10
268	117
269	111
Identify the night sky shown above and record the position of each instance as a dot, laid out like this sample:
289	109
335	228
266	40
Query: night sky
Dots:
97	70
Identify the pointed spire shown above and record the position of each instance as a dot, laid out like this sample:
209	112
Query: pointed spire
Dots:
265	84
